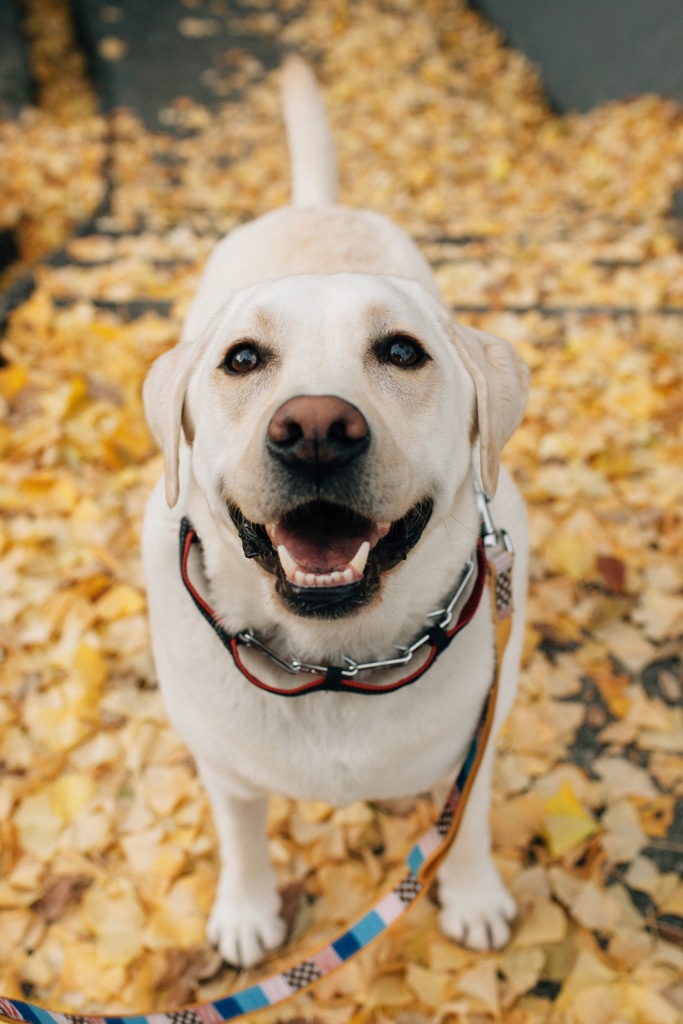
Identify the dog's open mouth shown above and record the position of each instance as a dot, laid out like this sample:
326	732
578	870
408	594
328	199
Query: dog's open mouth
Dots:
328	559
324	545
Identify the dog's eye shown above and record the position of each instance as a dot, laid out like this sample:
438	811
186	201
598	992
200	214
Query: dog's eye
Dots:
242	358
402	351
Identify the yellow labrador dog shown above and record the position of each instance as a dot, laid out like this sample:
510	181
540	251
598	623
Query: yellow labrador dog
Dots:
323	423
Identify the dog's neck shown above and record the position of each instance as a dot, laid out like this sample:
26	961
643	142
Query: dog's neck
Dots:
243	594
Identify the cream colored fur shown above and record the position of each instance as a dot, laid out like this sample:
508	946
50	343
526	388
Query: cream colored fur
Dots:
317	282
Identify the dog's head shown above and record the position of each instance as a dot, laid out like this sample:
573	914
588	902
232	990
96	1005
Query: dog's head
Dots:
330	418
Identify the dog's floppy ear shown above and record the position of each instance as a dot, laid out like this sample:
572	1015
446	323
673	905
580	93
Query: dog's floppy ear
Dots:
501	380
163	394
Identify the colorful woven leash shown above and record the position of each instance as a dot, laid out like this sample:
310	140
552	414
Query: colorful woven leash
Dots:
422	862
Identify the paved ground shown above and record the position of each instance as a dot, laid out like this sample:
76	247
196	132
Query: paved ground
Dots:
581	282
15	78
592	53
144	55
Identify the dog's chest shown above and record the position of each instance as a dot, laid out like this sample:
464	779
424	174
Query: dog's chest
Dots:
333	747
337	748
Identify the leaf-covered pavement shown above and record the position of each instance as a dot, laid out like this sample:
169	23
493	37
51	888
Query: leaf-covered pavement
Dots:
550	231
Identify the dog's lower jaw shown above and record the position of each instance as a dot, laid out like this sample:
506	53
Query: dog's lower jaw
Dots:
331	603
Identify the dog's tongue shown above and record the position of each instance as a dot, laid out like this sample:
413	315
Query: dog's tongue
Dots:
315	554
322	554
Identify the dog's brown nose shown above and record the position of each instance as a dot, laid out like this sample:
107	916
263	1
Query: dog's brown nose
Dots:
317	431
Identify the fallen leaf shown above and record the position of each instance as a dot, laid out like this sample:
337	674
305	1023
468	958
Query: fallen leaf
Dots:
61	894
545	923
566	823
482	983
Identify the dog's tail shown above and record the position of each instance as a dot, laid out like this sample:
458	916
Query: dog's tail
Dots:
311	149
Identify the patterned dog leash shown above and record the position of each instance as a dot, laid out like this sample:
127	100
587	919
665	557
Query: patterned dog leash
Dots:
422	862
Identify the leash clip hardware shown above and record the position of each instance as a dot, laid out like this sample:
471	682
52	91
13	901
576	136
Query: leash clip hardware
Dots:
491	536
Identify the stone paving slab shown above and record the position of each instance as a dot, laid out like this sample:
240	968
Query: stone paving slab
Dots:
16	91
16	88
144	55
590	52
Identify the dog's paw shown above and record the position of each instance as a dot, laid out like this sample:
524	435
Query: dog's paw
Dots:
477	916
245	930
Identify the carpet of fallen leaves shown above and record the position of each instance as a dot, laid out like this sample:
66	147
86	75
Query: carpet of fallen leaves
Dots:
549	230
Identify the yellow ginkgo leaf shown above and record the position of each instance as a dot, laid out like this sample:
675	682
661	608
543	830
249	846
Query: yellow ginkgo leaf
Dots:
120	601
71	792
12	380
565	822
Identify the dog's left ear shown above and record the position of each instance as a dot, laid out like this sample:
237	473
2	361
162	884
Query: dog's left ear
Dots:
164	394
501	381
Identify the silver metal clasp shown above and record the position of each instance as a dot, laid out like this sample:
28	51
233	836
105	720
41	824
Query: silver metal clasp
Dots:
491	535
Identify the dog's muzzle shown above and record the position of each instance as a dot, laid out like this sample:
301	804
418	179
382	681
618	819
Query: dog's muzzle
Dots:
327	555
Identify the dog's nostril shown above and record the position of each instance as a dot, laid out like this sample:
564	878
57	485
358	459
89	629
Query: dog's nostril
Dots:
290	433
318	429
339	431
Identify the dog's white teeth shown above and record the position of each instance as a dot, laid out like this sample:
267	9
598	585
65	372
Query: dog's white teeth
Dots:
286	561
360	559
336	578
322	579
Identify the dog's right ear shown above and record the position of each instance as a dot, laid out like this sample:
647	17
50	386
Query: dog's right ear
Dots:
163	395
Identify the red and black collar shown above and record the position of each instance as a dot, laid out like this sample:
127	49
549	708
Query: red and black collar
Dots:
332	678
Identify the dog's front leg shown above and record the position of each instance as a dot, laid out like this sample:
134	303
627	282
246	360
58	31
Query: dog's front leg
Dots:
476	908
245	921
